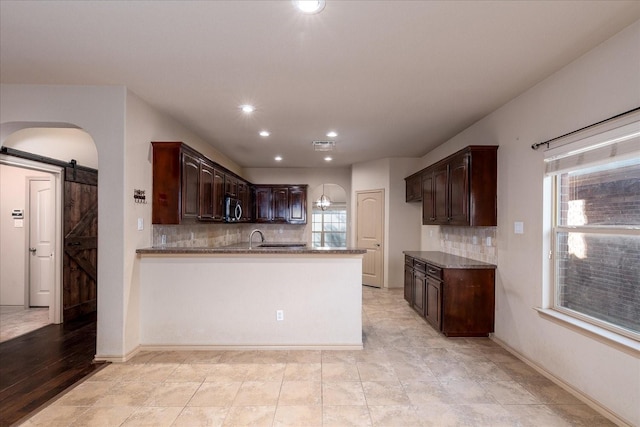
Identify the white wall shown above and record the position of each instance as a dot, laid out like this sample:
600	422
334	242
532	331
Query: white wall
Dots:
57	143
401	213
100	111
124	163
202	301
143	125
602	83
13	240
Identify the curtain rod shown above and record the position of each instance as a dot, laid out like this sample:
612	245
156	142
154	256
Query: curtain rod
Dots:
539	144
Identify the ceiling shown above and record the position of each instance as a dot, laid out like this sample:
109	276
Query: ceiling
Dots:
393	78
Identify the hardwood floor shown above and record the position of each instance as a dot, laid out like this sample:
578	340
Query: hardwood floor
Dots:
36	367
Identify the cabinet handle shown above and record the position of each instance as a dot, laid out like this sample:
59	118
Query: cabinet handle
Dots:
433	271
432	219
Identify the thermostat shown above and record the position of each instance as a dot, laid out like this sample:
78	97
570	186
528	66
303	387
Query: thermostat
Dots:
17	214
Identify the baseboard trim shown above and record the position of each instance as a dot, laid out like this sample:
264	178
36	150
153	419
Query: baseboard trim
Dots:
593	404
156	347
116	359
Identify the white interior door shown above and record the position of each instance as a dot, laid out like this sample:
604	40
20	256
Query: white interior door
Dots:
369	235
41	242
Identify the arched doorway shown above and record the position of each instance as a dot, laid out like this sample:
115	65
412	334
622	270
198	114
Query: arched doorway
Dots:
46	153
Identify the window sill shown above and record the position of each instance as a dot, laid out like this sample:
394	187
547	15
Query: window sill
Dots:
605	336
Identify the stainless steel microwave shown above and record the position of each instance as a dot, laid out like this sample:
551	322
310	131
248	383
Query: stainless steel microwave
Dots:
232	210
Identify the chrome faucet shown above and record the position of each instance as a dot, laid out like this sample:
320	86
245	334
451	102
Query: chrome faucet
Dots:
251	236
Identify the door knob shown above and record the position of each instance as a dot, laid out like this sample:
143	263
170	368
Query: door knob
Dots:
377	245
32	250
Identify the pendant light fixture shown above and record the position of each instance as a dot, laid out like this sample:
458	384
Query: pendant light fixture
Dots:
323	202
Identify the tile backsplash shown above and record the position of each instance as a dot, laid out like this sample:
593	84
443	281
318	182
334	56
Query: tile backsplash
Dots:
216	235
477	243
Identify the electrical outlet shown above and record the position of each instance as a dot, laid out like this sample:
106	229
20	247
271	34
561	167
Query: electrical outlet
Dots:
475	240
279	315
488	240
140	224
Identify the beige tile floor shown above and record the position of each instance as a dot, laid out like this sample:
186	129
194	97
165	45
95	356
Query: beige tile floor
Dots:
17	320
407	375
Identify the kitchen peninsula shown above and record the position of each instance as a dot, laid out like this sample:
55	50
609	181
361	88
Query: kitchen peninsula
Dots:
263	298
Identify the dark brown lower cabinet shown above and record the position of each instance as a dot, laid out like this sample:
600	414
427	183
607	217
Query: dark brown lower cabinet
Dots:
419	291
459	302
434	302
408	281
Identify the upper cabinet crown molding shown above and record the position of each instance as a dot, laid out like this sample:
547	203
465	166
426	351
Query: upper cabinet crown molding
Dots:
459	190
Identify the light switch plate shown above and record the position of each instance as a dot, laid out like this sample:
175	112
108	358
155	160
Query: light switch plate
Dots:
518	227
140	224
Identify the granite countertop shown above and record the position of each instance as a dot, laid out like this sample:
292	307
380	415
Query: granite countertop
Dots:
243	249
445	260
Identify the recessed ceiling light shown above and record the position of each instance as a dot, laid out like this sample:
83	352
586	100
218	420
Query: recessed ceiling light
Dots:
309	6
264	133
278	158
328	159
246	108
332	134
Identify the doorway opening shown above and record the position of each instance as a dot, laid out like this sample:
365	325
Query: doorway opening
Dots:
51	241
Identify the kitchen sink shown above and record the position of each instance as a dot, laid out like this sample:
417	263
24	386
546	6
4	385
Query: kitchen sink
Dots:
282	245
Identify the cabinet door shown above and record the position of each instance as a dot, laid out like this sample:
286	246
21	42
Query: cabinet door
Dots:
414	189
440	195
231	185
459	190
419	289
428	205
433	302
190	185
280	204
166	207
297	205
206	191
408	284
218	195
263	204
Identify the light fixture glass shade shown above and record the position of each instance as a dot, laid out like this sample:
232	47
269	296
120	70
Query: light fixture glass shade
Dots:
323	202
309	6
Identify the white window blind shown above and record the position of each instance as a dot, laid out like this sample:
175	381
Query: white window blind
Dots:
617	139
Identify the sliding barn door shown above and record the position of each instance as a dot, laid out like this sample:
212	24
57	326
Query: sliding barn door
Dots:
80	265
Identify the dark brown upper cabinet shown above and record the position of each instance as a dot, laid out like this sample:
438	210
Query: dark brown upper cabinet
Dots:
187	186
231	186
211	192
298	204
461	189
414	188
190	185
281	204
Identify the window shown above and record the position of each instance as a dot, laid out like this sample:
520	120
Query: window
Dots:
595	238
329	228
